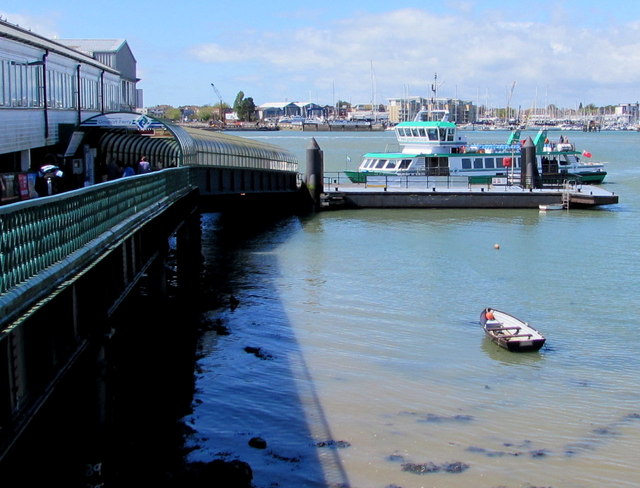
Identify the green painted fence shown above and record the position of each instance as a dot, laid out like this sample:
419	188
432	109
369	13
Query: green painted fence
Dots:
36	234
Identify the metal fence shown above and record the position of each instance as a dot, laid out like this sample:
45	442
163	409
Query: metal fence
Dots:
396	181
333	181
36	234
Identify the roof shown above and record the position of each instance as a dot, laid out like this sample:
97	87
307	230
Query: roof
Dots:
25	36
286	104
90	46
428	123
275	105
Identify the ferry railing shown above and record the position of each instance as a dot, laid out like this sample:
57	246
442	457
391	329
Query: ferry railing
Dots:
335	180
491	148
35	234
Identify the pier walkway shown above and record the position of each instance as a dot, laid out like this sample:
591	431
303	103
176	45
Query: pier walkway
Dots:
68	261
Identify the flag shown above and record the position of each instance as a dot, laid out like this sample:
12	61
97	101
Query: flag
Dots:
586	154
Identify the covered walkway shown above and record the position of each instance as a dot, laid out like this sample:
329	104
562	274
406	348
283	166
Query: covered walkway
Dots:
124	138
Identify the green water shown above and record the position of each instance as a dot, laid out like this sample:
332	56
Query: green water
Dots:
367	324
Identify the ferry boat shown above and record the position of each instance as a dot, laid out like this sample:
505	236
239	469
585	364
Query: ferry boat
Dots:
435	148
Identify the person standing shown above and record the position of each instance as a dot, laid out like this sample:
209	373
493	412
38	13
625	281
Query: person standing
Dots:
114	169
144	166
128	170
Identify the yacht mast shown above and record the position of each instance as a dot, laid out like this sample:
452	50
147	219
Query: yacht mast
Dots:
373	95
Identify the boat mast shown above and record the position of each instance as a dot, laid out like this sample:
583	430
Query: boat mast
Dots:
373	95
434	97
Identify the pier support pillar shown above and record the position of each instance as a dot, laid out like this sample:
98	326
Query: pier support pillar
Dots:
315	172
529	176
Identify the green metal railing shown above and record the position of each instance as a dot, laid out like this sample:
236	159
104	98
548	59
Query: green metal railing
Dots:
38	233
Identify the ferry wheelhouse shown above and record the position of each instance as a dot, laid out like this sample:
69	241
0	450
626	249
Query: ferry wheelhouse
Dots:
435	148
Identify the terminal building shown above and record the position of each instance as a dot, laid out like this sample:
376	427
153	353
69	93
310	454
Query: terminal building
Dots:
68	112
47	88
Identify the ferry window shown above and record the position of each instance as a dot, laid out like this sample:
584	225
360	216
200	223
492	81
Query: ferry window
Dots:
381	163
433	134
404	164
421	131
371	163
400	131
391	164
443	134
466	163
414	132
477	163
450	135
489	163
499	163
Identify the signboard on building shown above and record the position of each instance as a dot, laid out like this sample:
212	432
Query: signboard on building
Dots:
124	120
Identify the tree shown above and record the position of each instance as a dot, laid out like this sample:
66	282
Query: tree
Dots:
205	113
238	101
173	114
244	107
343	107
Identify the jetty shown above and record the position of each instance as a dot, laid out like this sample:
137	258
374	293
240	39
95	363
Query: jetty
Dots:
528	190
399	193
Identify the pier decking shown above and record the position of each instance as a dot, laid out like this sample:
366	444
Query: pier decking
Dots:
357	195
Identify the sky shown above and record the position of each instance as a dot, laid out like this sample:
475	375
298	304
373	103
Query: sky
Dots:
491	52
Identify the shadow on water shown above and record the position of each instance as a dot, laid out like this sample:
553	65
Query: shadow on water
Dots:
497	353
255	397
163	420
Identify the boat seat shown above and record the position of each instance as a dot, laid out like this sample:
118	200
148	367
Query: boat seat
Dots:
515	335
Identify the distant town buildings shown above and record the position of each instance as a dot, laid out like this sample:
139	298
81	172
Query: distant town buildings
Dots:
459	111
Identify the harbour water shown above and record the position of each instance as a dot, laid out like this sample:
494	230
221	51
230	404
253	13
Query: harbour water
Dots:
356	354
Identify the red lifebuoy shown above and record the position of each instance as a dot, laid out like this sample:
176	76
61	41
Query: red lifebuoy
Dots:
506	162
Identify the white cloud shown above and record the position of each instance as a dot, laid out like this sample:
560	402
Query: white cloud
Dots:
42	25
470	54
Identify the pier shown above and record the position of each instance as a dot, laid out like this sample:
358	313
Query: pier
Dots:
443	192
69	261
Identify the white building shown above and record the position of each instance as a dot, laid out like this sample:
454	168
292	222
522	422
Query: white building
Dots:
47	88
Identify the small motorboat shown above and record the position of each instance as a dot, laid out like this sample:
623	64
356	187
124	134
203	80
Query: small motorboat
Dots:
510	332
551	206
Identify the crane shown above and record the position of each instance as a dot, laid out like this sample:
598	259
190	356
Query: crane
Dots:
220	103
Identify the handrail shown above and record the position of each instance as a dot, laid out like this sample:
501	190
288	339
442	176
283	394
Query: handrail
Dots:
36	234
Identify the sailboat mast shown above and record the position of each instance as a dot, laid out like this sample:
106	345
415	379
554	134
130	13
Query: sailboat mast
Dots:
373	95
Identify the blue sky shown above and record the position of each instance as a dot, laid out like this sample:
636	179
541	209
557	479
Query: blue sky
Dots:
562	52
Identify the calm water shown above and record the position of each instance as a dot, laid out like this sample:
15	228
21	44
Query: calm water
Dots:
356	351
